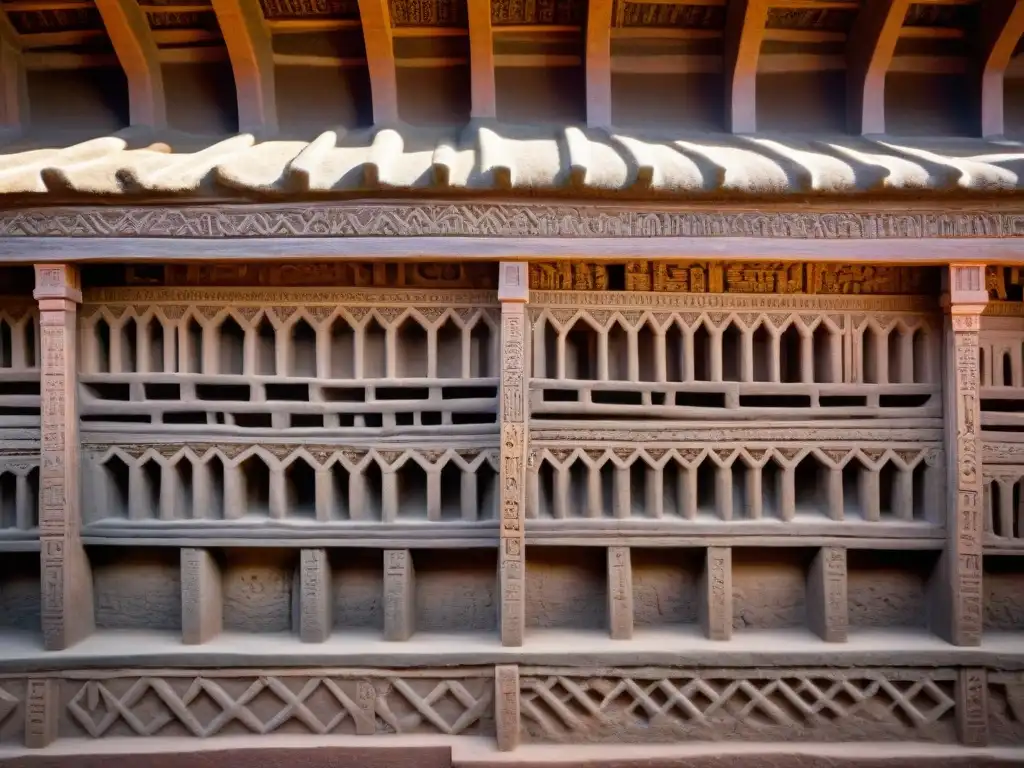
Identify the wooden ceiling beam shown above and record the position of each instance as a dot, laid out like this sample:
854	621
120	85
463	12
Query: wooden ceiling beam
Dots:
13	83
599	63
1002	25
132	39
380	59
484	98
870	48
745	24
252	60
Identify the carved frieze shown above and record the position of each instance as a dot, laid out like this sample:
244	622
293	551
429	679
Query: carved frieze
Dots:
428	13
679	15
538	12
297	9
500	220
734	277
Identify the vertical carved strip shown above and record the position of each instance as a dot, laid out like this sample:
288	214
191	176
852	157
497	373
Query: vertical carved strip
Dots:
960	613
67	603
513	292
202	607
42	707
620	593
506	699
716	594
314	596
399	595
972	707
826	595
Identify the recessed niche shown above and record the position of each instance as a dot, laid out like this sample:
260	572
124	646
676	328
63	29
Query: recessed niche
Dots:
411	351
258	589
343	349
302	355
136	589
566	588
889	588
665	586
456	591
19	591
1004	593
255	486
769	588
300	490
232	347
357	581
449	350
201	98
375	353
93	101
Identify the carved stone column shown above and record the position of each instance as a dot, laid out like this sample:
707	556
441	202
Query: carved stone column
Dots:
959	609
513	292
67	606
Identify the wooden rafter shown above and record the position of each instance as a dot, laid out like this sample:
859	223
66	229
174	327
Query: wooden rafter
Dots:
599	63
484	103
1002	25
132	39
380	59
870	49
252	59
13	85
744	31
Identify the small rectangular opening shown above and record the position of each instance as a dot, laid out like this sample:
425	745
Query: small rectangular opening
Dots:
185	417
222	392
401	393
253	420
430	418
162	391
605	397
343	394
775	401
459	393
306	420
841	401
561	395
19	388
116	418
109	391
290	392
905	401
700	399
473	418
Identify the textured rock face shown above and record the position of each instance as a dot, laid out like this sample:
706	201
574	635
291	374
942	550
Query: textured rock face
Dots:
559	503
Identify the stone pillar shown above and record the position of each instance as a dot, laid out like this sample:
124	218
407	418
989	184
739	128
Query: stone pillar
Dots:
716	594
513	292
620	593
506	706
67	602
42	712
314	603
957	609
827	595
202	597
399	595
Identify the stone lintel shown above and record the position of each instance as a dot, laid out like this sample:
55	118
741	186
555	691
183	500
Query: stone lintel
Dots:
202	601
399	595
827	596
716	593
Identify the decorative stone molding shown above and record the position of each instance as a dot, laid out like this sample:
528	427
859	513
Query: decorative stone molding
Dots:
502	220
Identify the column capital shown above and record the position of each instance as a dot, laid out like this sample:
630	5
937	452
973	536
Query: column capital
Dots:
57	281
964	289
513	282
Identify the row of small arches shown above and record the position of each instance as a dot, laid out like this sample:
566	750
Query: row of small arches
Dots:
368	351
899	356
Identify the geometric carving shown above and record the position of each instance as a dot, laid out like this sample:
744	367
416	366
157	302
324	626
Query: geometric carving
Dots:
776	704
261	704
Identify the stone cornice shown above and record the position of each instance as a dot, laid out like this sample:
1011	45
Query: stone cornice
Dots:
507	220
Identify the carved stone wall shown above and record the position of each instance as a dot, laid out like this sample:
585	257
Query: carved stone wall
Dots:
506	501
